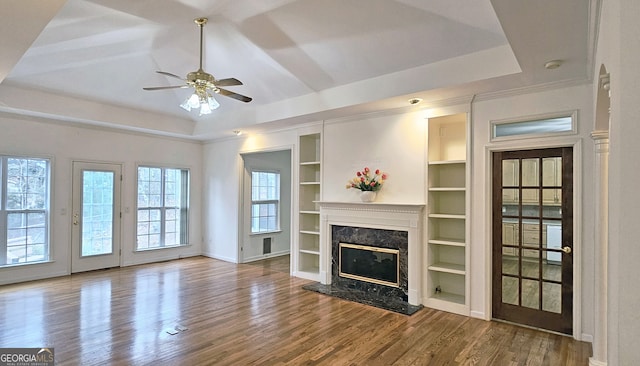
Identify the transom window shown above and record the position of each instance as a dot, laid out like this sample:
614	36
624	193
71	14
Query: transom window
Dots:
24	210
163	207
265	201
534	127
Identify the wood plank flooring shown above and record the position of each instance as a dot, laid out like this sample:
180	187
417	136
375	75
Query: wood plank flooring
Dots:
249	314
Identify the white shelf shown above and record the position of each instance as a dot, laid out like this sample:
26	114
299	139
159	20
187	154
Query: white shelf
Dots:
449	297
447	268
446	216
443	162
446	278
309	232
448	241
307	258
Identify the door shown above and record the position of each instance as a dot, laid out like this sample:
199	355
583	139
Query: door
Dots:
533	238
95	234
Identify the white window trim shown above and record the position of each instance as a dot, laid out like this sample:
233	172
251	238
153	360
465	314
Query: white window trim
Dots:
46	211
188	208
532	118
278	202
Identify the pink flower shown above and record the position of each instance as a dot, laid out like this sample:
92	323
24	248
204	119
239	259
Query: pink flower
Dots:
372	184
366	170
358	174
384	176
377	171
362	179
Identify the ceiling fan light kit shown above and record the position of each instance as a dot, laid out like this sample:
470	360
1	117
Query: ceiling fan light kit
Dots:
204	84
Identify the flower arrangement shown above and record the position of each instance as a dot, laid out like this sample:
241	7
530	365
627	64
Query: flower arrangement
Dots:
366	181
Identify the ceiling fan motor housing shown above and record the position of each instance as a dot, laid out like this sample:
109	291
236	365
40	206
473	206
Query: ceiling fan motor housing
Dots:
201	78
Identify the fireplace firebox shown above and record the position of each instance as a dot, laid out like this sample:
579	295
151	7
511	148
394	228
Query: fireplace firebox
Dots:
369	263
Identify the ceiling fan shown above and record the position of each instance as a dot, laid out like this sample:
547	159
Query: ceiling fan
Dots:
204	84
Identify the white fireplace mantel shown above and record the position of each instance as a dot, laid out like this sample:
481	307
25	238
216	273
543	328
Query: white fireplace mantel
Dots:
376	215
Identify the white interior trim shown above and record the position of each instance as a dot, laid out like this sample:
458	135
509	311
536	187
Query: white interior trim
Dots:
563	141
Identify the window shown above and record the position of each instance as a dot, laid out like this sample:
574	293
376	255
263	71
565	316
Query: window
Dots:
543	126
265	202
163	207
24	210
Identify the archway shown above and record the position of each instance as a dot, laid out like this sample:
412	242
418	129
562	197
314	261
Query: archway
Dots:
600	137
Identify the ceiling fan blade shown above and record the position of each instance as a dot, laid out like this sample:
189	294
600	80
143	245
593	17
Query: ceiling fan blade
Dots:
228	82
170	74
233	95
166	87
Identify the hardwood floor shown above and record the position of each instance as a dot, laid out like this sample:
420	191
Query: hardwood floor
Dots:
248	314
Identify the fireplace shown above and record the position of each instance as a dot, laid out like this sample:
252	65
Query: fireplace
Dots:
365	245
384	239
370	264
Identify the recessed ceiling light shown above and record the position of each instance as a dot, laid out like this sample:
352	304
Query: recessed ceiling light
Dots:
553	64
237	132
414	101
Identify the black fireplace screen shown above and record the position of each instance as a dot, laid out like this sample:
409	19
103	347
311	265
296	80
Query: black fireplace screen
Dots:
371	264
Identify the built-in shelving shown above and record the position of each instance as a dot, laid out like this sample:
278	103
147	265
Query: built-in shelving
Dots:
307	258
447	255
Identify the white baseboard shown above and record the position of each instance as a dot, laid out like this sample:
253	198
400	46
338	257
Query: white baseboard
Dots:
154	255
222	258
265	256
33	276
593	362
586	337
478	315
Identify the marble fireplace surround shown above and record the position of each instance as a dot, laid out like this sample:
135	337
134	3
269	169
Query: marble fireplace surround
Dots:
386	216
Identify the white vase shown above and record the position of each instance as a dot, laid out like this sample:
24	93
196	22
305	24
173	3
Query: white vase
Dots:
368	196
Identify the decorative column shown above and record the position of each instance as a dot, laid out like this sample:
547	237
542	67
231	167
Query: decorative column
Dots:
601	234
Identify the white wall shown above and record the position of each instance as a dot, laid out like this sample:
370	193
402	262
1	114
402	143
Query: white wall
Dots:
222	176
396	143
514	107
619	51
279	161
393	143
64	143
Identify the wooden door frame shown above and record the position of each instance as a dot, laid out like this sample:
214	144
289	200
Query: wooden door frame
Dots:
526	144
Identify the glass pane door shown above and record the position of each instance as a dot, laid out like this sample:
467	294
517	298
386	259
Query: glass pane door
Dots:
97	212
95	239
532	238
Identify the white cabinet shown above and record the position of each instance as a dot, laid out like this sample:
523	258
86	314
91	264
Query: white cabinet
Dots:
447	256
529	169
307	258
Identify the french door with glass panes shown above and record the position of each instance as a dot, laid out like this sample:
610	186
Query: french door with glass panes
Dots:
95	234
533	238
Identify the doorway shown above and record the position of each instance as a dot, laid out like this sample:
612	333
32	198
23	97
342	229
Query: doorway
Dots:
95	234
533	238
266	204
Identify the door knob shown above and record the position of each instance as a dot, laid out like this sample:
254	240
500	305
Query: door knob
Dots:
566	250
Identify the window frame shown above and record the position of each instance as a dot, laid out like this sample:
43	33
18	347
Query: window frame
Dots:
277	202
183	208
45	211
573	114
